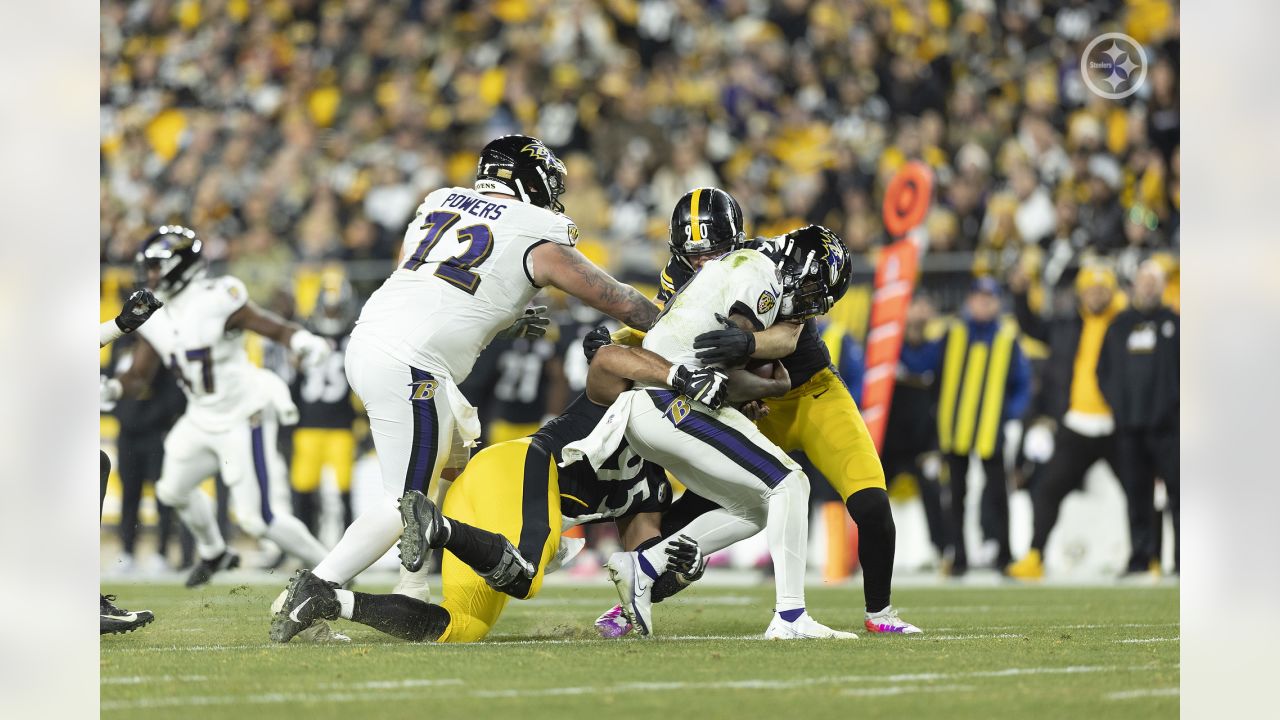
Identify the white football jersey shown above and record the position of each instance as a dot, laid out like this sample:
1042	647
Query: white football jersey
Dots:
743	281
210	364
464	275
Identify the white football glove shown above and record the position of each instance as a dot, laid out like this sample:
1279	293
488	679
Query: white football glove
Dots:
311	349
708	386
110	391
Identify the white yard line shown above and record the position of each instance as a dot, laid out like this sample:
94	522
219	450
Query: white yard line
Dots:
1145	693
401	689
140	679
903	690
1149	640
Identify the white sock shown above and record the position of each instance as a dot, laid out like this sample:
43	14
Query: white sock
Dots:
788	533
347	600
414	584
713	531
372	534
197	514
292	535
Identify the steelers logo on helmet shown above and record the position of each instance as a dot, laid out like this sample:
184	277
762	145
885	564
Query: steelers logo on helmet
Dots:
705	221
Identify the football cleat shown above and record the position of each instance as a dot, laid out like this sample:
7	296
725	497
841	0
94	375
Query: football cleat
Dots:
1028	568
309	599
424	530
113	620
204	570
613	624
803	628
635	590
887	621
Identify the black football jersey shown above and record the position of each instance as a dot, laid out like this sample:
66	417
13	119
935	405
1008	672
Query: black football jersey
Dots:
625	485
811	354
322	394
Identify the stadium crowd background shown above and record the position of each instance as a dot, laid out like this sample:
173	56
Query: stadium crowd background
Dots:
298	137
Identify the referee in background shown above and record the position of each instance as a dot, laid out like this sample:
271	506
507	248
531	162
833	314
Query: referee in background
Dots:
1138	375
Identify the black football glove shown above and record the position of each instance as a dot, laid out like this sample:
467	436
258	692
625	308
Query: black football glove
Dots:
533	323
685	558
706	385
731	346
140	306
595	340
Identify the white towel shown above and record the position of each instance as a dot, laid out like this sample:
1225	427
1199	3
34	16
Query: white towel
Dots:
466	419
604	440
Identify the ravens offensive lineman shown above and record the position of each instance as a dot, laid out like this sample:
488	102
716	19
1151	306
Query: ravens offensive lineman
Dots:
818	416
471	260
233	408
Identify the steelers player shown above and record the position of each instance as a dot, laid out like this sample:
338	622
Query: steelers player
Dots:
818	416
503	516
323	437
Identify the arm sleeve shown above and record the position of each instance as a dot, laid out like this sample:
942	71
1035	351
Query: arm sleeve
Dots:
1106	367
108	332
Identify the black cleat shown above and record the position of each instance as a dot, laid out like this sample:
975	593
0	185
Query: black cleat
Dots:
424	530
308	599
113	620
205	569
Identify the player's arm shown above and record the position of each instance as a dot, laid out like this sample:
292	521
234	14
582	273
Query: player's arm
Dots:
745	386
566	268
636	529
777	341
615	367
132	382
310	348
739	340
140	306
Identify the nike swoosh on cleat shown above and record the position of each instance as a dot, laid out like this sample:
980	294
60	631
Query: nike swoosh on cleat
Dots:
294	615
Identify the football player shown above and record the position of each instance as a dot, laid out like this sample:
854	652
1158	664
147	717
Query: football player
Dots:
503	516
471	260
719	453
818	416
138	308
324	436
233	407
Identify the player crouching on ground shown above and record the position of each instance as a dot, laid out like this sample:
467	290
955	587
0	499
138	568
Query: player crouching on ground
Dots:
717	452
502	519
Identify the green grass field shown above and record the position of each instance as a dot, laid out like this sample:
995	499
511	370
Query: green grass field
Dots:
987	652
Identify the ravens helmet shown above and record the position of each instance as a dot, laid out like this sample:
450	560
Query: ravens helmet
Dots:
176	252
521	166
706	220
815	269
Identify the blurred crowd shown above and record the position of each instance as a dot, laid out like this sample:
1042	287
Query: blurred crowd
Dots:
303	133
309	130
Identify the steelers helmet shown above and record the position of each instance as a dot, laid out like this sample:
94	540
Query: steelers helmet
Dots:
706	220
178	254
815	269
336	306
521	166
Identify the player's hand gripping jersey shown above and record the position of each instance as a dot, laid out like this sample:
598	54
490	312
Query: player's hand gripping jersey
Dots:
190	336
464	275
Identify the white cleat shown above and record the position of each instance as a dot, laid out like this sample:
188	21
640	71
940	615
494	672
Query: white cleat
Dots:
803	628
635	590
887	621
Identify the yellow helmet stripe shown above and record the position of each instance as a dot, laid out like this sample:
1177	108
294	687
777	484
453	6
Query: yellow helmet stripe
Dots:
693	216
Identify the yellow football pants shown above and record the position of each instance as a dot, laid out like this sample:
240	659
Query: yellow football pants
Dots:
501	431
821	419
507	489
313	449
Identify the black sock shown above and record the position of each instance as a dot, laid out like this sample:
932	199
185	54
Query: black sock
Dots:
400	615
306	508
877	536
102	486
479	549
347	514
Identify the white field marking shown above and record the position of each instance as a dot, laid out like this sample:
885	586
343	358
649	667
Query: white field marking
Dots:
995	636
903	690
1057	627
588	602
1150	640
1133	694
140	679
393	684
267	698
